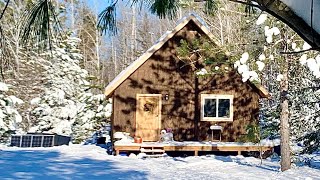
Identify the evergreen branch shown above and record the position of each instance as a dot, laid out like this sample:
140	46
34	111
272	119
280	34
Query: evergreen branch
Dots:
161	8
210	6
107	19
38	22
165	8
142	3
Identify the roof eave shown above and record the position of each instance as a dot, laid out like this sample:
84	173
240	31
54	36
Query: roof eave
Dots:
262	91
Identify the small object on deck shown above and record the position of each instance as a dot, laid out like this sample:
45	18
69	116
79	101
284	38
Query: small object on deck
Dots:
216	127
166	135
138	140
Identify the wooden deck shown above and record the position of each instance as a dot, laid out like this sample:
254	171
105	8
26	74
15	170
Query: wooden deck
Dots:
194	146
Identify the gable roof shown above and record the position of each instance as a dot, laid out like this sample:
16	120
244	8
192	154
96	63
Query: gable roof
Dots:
161	41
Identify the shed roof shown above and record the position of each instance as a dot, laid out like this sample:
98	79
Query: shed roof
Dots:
159	43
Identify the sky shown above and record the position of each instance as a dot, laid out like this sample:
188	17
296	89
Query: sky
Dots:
98	5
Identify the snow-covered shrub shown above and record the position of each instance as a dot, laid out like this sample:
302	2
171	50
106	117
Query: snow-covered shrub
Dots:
93	114
9	116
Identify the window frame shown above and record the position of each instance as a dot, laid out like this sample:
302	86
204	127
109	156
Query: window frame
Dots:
216	97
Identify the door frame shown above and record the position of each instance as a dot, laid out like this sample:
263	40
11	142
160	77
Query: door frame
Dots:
159	109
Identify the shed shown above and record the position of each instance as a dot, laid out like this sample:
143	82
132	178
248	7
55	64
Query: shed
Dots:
158	91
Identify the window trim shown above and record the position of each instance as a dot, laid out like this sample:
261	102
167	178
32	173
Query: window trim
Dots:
217	97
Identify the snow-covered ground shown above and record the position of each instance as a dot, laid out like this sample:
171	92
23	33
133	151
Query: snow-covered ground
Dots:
91	162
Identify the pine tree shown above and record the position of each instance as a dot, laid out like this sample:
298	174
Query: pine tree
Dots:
67	107
57	107
9	115
94	114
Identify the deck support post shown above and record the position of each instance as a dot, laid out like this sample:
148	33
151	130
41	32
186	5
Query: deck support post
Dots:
239	152
196	153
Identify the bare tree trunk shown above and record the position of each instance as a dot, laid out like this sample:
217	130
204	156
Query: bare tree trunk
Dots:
284	119
221	28
114	52
97	44
72	15
133	34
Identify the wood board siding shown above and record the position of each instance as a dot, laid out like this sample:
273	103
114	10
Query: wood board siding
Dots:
163	73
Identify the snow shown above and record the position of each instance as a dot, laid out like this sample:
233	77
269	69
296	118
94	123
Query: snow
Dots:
270	32
306	46
315	161
9	115
303	59
15	100
262	57
244	70
3	86
35	101
261	65
279	77
92	162
202	72
262	18
244	57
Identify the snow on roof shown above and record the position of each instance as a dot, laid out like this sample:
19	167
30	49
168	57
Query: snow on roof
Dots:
159	43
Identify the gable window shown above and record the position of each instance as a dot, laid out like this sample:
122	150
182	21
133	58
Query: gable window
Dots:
215	107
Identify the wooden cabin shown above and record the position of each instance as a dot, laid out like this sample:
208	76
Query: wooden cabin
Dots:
159	91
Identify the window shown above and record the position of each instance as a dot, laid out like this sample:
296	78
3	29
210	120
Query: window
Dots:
216	107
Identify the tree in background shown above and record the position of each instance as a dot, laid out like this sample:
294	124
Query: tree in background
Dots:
64	105
87	31
94	114
23	68
288	81
9	115
66	81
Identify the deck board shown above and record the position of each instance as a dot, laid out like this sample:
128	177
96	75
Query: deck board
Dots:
195	146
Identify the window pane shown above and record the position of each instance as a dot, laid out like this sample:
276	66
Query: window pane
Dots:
224	108
210	108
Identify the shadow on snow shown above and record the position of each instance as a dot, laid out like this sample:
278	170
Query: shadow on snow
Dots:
51	165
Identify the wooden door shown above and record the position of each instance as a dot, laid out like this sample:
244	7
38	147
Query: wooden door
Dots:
148	116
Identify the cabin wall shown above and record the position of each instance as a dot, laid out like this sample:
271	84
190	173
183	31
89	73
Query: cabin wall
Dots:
163	73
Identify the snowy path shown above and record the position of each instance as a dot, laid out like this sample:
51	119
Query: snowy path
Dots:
91	162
